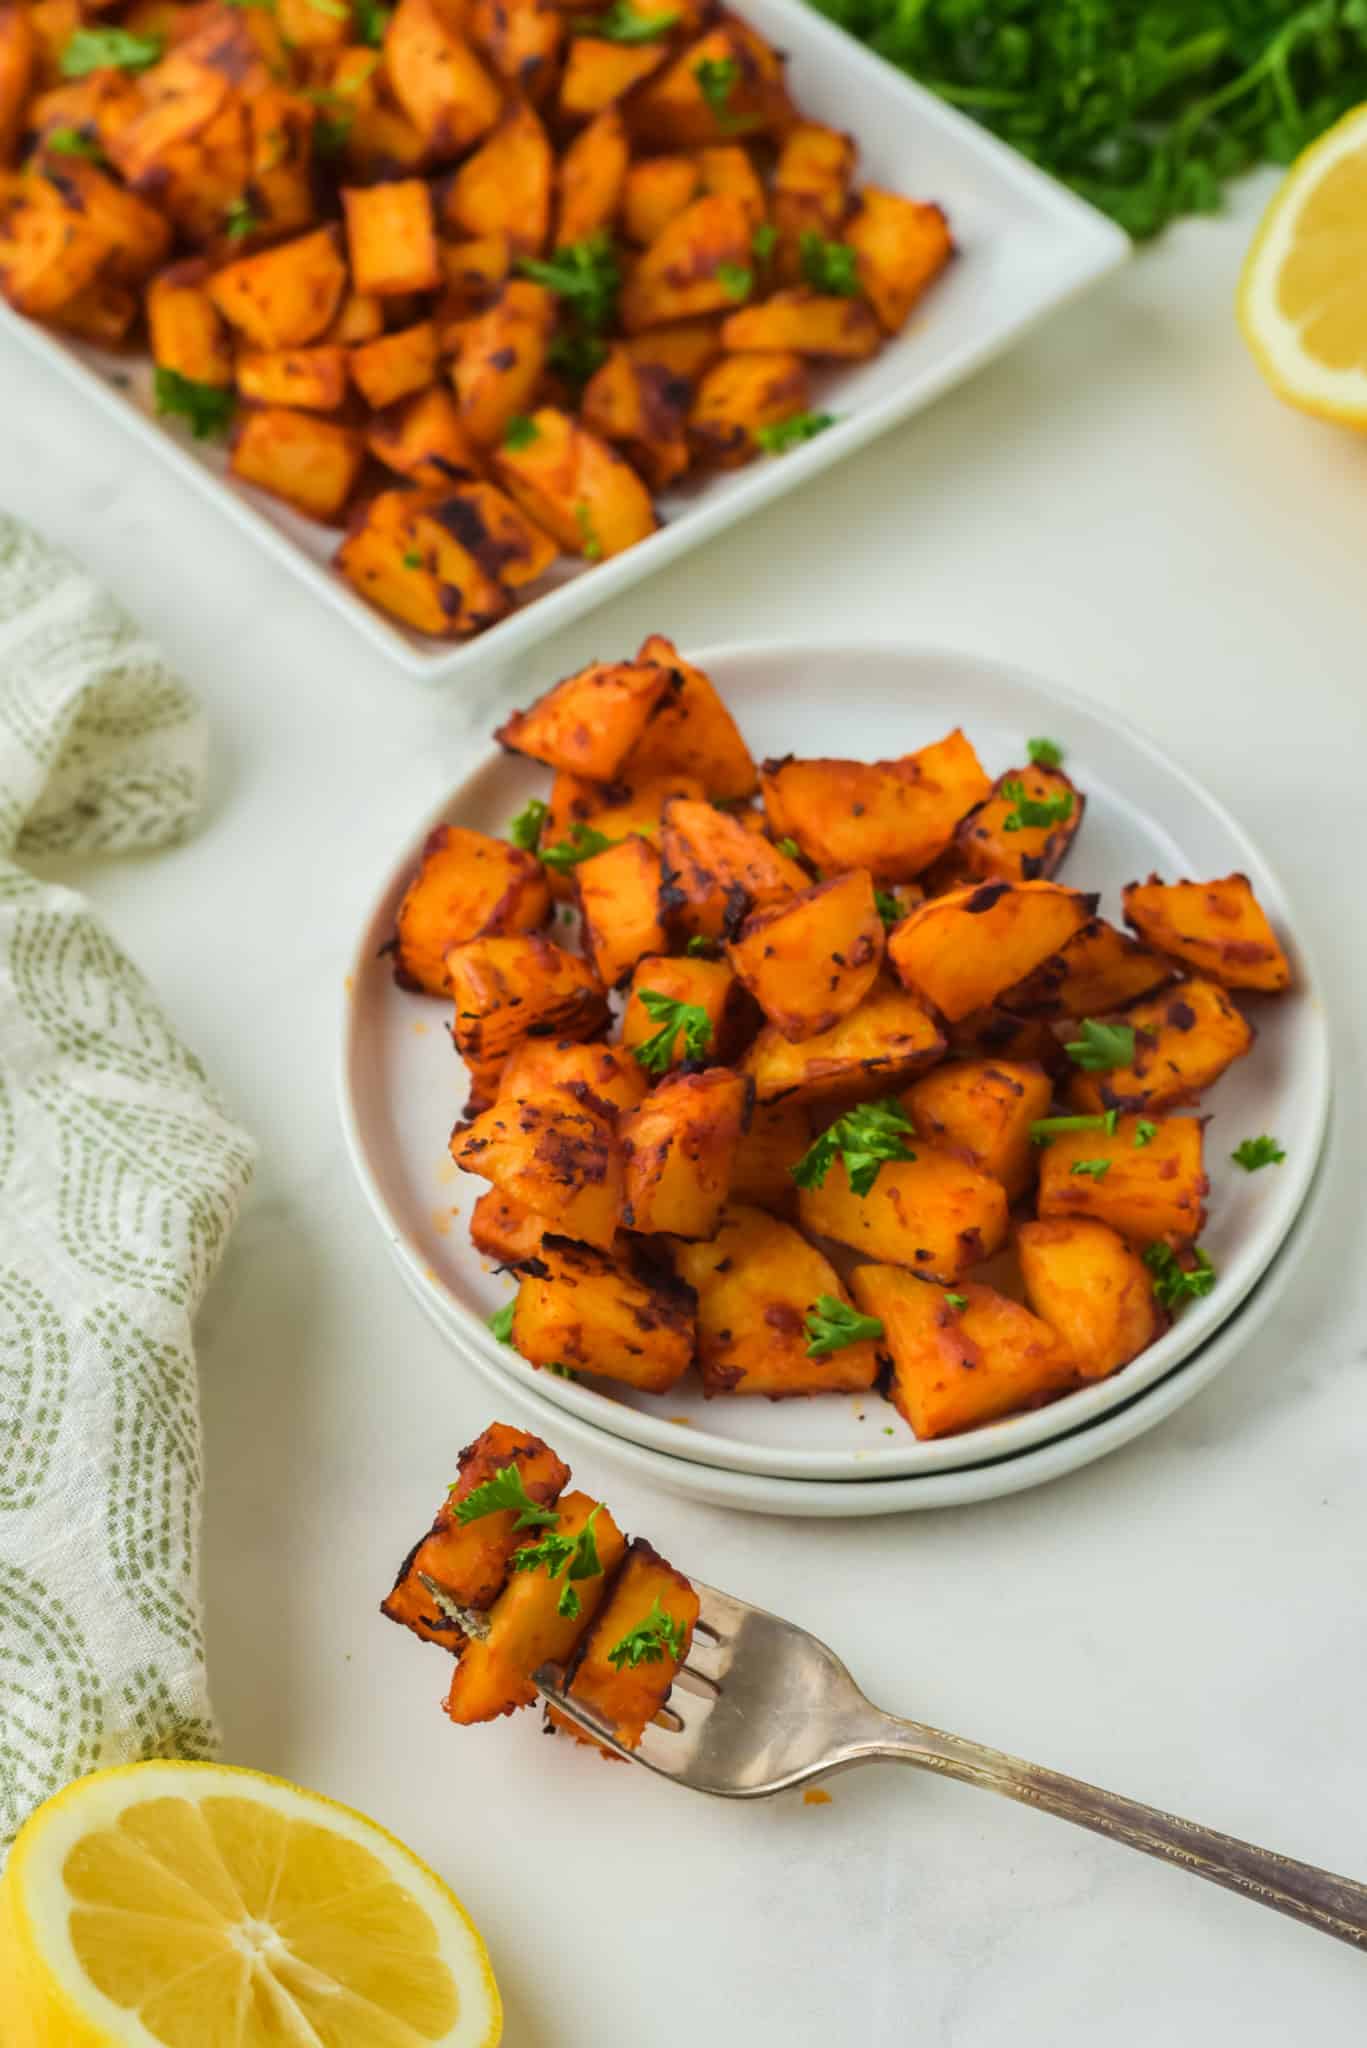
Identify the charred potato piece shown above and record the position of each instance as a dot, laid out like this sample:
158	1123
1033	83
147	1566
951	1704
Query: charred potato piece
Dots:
933	1213
716	872
472	272
901	246
1097	970
769	1149
521	39
598	73
468	886
528	1626
645	410
692	265
655	191
505	187
623	1695
184	327
996	843
48	256
811	959
469	1561
1089	1286
807	323
510	989
422	438
891	817
811	189
580	1308
394	366
501	359
982	1110
313	379
881	1045
554	1155
707	985
403	557
589	723
756	1282
285	296
995	1033
618	897
1183	1041
494	533
591	179
675	111
956	1366
504	1230
590	1073
311	463
1218	928
1146	1191
615	809
692	733
437	79
739	397
962	950
679	1148
576	486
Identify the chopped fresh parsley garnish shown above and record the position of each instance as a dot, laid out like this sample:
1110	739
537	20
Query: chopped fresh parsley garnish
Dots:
864	1138
501	1323
1098	1168
582	274
583	519
785	434
762	241
372	20
1256	1152
717	77
1174	1283
888	907
207	408
584	841
93	49
1100	1048
828	266
656	1052
412	559
525	830
832	1324
621	23
73	142
1046	1127
1144	1132
735	280
1029	813
1045	753
789	847
957	1300
576	357
568	1557
239	219
520	431
699	948
658	1636
505	1490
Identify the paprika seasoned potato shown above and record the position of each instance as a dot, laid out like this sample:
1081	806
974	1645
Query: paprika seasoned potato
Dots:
555	1155
506	989
679	1146
618	897
505	1231
403	544
1020	832
891	817
962	950
626	1693
589	723
1097	970
467	886
810	959
890	1037
588	1311
716	872
689	982
691	732
982	1110
932	1212
961	1356
1085	1282
602	1073
311	463
1183	1041
1218	928
1148	1184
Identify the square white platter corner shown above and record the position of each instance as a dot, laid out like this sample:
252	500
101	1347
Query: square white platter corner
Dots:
1026	245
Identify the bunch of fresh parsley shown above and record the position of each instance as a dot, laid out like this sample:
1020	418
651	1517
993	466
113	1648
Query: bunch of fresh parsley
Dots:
1145	107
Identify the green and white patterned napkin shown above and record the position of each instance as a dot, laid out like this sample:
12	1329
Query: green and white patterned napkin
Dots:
120	1176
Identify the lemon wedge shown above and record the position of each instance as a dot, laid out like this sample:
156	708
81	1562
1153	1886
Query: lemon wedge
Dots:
183	1905
1303	294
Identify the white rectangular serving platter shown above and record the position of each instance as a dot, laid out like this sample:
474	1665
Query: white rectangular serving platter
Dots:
1026	245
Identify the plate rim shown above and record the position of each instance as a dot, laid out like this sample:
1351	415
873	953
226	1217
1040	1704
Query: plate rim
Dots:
468	1334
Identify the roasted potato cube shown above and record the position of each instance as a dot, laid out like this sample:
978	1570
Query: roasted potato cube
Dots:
996	1034
656	191
102	313
746	95
391	238
590	1073
494	533
403	557
693	264
422	438
469	1561
468	886
645	410
891	817
311	463
504	1230
982	1110
1218	928
692	732
615	809
881	1045
280	126
626	1695
739	396
810	960
1145	1191
716	872
756	1283
16	73
902	246
284	296
394	366
136	238
1184	1038
811	189
313	379
707	985
678	1148
527	1627
48	255
505	187
727	167
597	73
358	320
473	272
994	843
576	486
1091	1288
618	896
955	1367
933	1213
962	950
594	1313
555	1155
1097	970
521	40
808	323
382	142
591	179
509	989
589	723
762	1171
437	79
186	333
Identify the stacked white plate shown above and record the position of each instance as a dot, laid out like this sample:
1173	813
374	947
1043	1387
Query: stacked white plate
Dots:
402	1088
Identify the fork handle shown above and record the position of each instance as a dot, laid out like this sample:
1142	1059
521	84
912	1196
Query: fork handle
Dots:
1333	1905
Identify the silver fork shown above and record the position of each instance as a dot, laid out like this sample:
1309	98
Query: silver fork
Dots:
768	1708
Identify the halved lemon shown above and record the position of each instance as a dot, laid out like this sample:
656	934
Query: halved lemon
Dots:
182	1905
1303	294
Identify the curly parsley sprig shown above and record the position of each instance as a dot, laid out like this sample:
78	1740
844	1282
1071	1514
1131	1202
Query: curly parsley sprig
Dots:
864	1138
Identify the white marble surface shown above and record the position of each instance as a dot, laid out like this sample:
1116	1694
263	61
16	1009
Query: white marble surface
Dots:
1119	504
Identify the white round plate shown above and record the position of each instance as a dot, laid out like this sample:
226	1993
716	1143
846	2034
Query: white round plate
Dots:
402	1086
